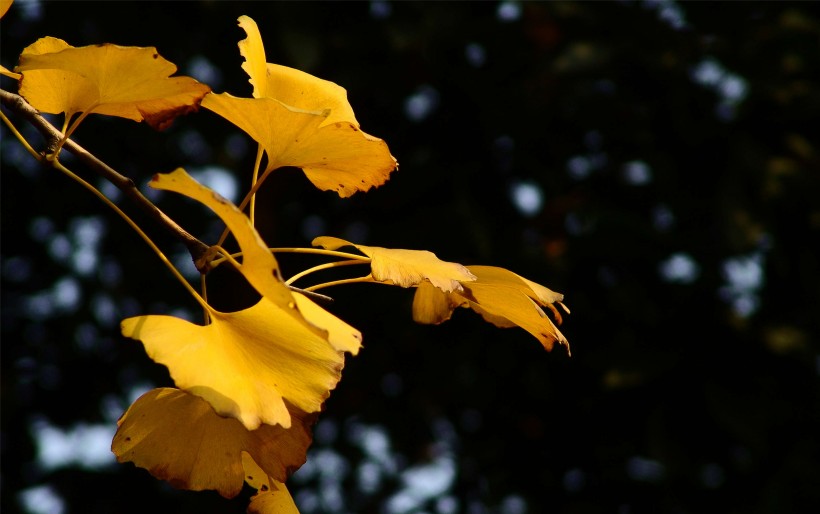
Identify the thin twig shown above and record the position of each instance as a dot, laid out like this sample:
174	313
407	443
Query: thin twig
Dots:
53	136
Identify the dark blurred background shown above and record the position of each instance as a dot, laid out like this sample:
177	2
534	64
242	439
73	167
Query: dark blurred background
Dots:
655	161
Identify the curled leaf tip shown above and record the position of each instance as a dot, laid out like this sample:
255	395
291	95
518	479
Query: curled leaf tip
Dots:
502	298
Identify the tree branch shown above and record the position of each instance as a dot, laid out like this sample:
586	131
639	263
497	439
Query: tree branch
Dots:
18	104
196	248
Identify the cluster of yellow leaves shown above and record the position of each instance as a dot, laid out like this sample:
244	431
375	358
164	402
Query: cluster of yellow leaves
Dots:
251	383
500	296
303	121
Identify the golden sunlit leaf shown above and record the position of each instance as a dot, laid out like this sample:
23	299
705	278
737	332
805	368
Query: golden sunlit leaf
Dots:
178	437
338	157
406	268
295	88
501	297
248	364
129	82
258	266
303	121
290	86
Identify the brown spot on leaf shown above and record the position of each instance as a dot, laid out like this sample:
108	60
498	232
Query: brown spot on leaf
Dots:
163	119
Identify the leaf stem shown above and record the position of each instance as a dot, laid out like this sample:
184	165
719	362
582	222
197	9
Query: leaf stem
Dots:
359	280
249	197
231	258
59	166
322	251
256	164
17	104
327	265
19	136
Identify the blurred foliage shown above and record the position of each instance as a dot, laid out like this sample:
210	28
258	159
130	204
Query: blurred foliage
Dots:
672	401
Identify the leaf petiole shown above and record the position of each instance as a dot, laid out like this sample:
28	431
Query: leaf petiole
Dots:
360	280
322	251
327	265
19	136
56	163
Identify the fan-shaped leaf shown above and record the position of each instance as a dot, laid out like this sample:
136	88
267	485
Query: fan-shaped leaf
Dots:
129	82
248	364
303	121
178	437
338	157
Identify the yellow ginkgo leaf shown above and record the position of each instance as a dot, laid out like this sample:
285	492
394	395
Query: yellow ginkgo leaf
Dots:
501	297
338	157
178	437
296	88
303	121
258	266
251	364
129	82
292	87
406	268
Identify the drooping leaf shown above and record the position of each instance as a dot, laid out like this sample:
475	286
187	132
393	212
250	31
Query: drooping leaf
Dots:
129	82
258	265
248	364
406	268
303	121
502	297
543	296
178	437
